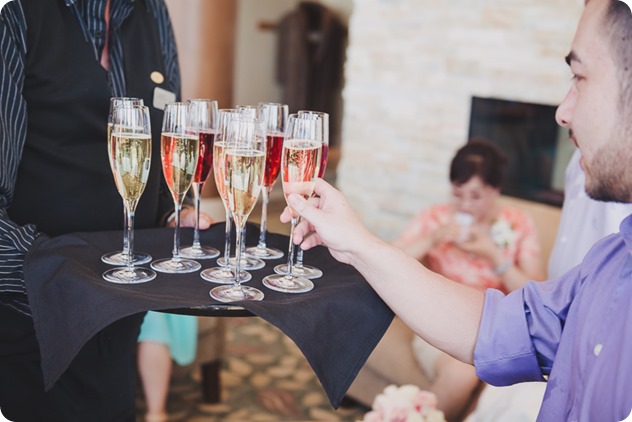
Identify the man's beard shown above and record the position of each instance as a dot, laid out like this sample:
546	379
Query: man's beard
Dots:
610	176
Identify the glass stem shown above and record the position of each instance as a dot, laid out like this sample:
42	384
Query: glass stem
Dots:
290	253
125	225
239	234
299	258
243	240
129	234
227	240
265	194
176	235
197	189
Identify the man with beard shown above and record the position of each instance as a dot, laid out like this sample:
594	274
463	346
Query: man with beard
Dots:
570	331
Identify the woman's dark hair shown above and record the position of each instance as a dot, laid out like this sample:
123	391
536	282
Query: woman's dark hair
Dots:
481	158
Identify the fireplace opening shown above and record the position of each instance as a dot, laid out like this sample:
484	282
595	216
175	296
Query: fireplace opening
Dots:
537	149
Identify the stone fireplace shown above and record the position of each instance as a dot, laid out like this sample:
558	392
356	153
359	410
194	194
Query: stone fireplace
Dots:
413	67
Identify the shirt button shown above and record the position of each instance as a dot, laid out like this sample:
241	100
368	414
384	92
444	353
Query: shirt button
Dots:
597	349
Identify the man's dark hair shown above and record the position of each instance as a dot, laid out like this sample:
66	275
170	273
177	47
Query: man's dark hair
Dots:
618	26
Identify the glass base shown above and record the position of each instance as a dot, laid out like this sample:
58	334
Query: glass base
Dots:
235	293
173	266
264	252
124	275
285	284
306	271
223	275
120	258
199	252
247	263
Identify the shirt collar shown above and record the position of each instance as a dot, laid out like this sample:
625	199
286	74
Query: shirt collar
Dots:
626	231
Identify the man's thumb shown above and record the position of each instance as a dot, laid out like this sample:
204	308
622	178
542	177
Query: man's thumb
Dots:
301	206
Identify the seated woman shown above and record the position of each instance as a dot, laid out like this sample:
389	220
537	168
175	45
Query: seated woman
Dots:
472	240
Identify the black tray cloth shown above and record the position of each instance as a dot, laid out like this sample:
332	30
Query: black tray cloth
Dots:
336	325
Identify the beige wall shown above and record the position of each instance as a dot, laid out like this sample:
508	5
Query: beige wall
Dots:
412	68
205	35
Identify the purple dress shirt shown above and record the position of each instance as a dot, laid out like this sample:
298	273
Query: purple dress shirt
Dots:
571	330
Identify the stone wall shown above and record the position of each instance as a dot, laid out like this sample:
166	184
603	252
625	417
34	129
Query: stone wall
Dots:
412	68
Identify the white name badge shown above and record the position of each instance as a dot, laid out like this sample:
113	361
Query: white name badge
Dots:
162	97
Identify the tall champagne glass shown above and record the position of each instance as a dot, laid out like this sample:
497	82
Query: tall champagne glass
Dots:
300	164
244	166
120	257
274	116
130	157
203	121
299	268
179	152
223	274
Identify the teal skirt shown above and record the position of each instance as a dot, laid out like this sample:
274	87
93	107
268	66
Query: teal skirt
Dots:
178	332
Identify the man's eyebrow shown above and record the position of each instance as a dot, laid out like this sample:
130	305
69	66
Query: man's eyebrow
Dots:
570	57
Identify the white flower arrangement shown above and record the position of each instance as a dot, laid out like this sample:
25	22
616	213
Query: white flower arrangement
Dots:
503	234
404	404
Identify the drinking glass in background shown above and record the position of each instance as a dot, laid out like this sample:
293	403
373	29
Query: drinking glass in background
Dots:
244	165
179	152
299	268
274	116
130	158
120	257
300	164
204	122
224	273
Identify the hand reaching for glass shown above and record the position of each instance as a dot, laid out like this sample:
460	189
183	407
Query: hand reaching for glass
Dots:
329	220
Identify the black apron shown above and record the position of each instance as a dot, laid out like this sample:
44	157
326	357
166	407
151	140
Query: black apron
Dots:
65	184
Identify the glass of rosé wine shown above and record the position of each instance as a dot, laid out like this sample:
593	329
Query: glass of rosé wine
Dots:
300	164
179	153
203	121
274	116
299	269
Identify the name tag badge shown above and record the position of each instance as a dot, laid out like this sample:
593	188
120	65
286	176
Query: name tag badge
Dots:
162	97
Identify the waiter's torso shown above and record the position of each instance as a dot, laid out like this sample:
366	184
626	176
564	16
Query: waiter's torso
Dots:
64	181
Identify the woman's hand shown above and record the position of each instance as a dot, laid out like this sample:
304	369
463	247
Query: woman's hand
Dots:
479	242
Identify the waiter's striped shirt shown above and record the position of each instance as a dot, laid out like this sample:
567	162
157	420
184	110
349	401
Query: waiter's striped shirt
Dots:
15	240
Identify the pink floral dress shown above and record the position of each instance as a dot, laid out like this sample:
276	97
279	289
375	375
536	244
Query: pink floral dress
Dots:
513	232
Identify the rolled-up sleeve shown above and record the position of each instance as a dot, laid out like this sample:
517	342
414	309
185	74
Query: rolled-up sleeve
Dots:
520	333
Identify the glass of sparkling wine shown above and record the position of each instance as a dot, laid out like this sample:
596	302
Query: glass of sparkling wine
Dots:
299	268
120	257
203	121
300	164
244	160
179	152
223	274
130	157
274	116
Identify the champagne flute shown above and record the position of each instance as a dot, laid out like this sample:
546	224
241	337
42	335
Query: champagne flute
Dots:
223	274
130	157
179	152
120	257
244	165
203	120
299	268
274	116
300	164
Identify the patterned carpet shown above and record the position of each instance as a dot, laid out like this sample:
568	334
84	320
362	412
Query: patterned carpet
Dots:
264	378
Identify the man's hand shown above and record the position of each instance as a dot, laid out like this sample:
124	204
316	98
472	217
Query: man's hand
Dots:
331	219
